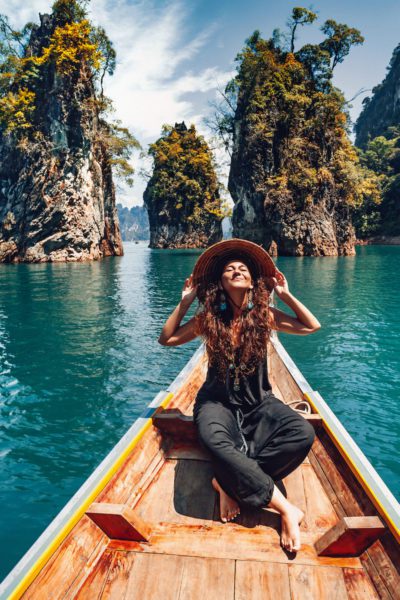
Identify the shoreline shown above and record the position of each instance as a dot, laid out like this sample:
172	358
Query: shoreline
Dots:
393	240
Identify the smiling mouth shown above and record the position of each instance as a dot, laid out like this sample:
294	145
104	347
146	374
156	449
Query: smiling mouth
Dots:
237	277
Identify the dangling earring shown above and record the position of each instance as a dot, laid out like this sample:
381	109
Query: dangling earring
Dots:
222	306
250	300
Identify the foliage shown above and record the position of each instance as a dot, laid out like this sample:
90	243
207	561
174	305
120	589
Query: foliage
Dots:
184	177
74	50
69	47
293	122
120	143
382	158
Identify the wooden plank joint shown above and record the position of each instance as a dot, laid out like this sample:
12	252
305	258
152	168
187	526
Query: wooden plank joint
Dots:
119	522
351	536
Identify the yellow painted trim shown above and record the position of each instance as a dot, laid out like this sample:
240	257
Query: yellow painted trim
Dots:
44	557
394	529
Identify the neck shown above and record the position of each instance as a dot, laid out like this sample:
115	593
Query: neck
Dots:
237	300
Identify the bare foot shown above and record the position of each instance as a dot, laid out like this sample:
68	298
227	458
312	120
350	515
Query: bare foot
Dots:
228	507
290	532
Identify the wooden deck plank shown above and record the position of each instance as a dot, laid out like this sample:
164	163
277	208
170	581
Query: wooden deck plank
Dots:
359	585
384	567
118	576
349	482
94	583
135	576
320	512
215	576
130	474
342	490
152	576
183	494
70	562
317	583
229	541
326	484
294	485
261	581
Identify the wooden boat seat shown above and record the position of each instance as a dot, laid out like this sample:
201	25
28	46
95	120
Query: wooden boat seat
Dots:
119	522
351	536
175	424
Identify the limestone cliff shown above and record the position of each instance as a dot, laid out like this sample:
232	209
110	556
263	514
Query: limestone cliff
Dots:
382	109
294	173
182	196
57	198
378	138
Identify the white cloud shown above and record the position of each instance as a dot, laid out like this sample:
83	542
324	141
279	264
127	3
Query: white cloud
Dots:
20	13
150	85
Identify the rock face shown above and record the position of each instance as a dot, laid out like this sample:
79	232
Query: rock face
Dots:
382	110
57	198
317	230
182	196
293	175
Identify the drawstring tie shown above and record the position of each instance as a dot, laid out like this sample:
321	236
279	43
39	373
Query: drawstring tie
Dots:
244	445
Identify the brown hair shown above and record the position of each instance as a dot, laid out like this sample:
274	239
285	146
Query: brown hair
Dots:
213	325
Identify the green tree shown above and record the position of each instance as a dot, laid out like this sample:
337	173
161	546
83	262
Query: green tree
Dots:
300	16
294	122
184	177
75	49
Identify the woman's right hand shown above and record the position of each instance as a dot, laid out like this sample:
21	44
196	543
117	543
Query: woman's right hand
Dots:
189	291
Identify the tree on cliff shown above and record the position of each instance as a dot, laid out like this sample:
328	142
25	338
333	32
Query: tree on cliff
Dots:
183	192
378	139
58	146
295	176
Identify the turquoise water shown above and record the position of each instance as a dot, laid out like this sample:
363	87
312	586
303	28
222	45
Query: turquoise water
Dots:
79	360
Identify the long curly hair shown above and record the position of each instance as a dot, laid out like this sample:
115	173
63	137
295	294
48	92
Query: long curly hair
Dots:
214	326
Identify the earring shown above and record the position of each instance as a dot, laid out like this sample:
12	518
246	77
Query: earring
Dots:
222	305
250	301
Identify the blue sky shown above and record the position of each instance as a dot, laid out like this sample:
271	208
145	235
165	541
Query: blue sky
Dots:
172	56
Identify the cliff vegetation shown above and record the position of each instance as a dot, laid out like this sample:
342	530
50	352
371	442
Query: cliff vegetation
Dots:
183	191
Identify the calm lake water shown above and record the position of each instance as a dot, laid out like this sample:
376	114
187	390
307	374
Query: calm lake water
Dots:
79	361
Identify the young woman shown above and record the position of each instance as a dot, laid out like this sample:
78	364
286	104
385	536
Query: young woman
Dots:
254	438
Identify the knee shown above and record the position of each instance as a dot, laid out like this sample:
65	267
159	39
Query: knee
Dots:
215	436
306	435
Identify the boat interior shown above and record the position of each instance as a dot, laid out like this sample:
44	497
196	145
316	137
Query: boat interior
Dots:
154	530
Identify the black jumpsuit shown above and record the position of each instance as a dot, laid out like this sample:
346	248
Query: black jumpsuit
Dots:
253	437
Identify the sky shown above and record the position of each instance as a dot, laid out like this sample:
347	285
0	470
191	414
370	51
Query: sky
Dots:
173	57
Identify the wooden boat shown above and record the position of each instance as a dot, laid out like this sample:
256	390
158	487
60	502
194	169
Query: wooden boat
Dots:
146	523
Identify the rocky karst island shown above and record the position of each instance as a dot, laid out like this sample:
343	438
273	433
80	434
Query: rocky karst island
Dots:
57	149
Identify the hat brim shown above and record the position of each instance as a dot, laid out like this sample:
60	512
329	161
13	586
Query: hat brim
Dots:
210	263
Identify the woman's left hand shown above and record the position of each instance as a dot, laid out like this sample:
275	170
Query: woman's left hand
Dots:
279	283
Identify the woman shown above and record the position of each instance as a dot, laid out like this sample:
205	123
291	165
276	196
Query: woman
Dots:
254	439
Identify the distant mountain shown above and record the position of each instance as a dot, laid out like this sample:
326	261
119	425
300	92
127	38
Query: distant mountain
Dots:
134	223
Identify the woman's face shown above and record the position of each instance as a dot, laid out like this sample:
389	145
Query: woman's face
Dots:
235	275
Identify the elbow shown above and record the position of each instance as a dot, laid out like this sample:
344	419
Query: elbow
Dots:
315	328
162	341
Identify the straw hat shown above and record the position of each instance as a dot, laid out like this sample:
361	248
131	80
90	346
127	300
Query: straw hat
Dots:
210	263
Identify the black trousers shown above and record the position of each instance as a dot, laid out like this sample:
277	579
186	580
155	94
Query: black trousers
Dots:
253	449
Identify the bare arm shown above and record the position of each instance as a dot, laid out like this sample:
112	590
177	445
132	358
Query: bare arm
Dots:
304	322
172	333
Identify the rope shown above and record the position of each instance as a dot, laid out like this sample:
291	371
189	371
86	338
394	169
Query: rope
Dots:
305	411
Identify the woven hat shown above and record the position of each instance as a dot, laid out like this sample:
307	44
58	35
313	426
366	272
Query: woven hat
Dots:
210	263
